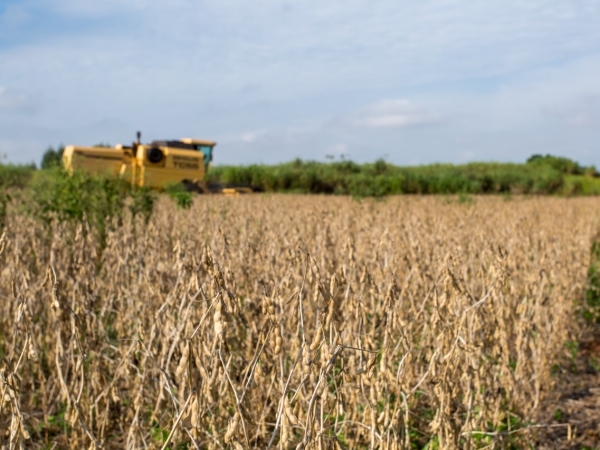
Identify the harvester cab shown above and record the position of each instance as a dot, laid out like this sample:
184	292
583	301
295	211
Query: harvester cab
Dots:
157	165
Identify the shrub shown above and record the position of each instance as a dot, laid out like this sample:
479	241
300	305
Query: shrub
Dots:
12	175
182	197
382	178
4	199
94	199
591	310
563	165
366	186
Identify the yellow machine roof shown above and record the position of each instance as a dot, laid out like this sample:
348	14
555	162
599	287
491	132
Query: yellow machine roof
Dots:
197	141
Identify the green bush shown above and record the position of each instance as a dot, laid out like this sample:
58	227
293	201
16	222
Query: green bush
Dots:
142	202
4	199
591	310
563	165
12	175
95	199
382	178
374	186
581	185
182	197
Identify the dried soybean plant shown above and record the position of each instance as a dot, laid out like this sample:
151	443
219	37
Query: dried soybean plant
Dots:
290	322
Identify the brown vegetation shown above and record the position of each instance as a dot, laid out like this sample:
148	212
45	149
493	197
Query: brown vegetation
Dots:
291	322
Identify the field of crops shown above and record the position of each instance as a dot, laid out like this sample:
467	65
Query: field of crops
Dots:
282	321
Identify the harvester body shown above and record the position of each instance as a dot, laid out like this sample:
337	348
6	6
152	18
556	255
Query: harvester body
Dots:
156	165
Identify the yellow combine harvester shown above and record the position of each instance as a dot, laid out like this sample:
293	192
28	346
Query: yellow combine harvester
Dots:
157	165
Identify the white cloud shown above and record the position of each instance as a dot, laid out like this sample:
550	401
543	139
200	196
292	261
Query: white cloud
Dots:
582	111
251	136
396	113
339	149
16	101
583	120
481	72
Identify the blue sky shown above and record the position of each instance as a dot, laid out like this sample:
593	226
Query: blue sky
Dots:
414	82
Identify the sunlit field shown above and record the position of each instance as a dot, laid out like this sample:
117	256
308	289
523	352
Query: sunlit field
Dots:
291	322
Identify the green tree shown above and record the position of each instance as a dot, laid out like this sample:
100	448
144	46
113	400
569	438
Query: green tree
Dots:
562	164
52	158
